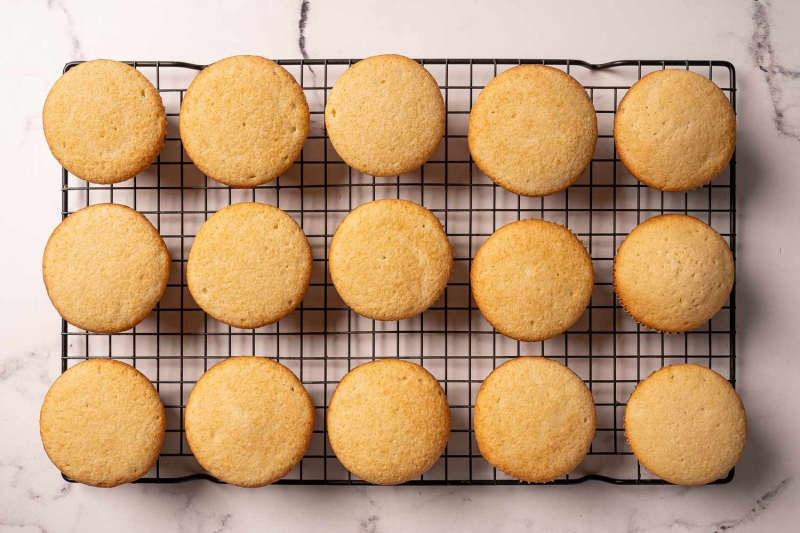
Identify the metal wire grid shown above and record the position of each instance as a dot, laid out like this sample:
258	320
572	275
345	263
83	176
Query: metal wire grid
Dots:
322	339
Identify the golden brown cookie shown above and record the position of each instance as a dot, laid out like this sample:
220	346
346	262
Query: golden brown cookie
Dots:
390	259
244	121
105	268
102	423
104	121
533	130
686	424
388	421
250	265
249	421
534	419
673	273
532	279
385	115
675	130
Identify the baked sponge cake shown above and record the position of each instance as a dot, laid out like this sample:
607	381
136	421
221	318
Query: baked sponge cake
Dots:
249	421
250	265
244	121
388	421
675	130
102	423
532	279
672	273
533	130
385	115
390	259
105	268
686	424
534	419
104	121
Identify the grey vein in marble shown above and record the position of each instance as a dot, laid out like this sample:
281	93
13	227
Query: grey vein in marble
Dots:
190	515
223	523
37	360
27	126
20	479
301	41
77	50
777	76
21	525
760	506
368	523
304	6
721	526
631	527
64	491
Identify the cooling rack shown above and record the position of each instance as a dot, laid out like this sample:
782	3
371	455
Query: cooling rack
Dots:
323	339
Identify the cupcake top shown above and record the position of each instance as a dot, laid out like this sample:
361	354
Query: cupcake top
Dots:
250	265
244	121
533	130
534	419
532	279
390	259
249	421
385	115
388	421
102	423
673	273
675	130
104	121
686	424
105	268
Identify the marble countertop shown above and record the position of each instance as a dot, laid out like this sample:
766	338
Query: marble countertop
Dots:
759	37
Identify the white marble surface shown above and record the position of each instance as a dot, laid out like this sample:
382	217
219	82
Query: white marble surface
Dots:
761	38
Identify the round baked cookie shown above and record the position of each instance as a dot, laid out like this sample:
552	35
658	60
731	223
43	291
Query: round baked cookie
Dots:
533	130
250	265
385	115
673	273
388	421
102	423
390	259
244	121
105	268
104	121
675	130
534	419
532	279
686	424
249	421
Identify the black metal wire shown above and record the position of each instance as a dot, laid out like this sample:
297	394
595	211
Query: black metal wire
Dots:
462	361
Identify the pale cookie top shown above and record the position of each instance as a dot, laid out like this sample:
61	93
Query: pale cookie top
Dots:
390	259
673	273
105	268
244	121
249	421
532	279
533	130
102	423
250	265
675	130
388	421
534	419
385	115
686	424
104	121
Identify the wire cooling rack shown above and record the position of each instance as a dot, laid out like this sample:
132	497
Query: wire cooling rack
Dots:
323	339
